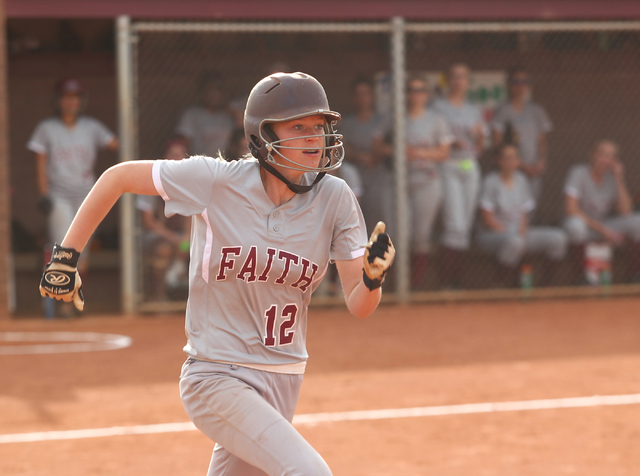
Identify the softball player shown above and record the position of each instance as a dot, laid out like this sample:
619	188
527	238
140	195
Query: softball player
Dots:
505	204
263	232
531	125
428	143
461	173
598	204
361	129
66	147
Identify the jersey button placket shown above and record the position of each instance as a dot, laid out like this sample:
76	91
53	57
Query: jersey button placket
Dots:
275	222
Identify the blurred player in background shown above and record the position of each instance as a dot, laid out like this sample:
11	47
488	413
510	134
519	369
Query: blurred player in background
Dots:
428	144
599	207
263	232
361	129
461	173
505	205
207	127
165	241
530	124
66	147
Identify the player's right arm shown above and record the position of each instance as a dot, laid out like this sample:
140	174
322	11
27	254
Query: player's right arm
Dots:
573	209
41	174
132	177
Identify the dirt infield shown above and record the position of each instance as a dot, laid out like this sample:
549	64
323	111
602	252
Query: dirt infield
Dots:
402	357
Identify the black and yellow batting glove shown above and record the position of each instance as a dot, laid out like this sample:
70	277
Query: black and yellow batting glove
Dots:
60	279
378	257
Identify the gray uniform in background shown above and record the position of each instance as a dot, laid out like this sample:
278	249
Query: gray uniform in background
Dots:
71	156
425	184
460	174
377	200
351	175
528	125
598	202
253	268
208	132
509	205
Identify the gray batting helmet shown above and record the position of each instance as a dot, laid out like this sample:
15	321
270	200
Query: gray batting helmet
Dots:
283	97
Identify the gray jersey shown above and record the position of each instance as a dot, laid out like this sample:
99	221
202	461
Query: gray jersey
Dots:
208	132
428	130
254	265
462	121
71	153
360	135
596	200
528	125
507	204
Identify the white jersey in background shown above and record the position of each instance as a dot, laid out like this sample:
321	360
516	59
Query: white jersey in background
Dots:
71	153
208	132
253	264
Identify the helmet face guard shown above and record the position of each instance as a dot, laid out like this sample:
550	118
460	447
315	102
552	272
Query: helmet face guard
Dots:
332	151
284	97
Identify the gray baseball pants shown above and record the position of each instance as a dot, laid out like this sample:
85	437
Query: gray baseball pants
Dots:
579	232
248	414
461	188
425	198
510	248
377	200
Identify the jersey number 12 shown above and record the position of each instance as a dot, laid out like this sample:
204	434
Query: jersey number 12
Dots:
287	321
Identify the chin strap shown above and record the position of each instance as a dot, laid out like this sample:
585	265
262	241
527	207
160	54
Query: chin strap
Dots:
294	187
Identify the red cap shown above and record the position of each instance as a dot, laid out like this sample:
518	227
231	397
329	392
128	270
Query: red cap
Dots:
69	86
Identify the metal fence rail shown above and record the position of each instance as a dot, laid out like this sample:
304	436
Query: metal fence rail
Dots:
146	80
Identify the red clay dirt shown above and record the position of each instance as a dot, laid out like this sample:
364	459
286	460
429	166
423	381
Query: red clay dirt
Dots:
401	357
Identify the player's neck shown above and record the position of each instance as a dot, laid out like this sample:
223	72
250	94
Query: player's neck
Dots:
507	178
517	103
276	190
69	120
365	114
457	97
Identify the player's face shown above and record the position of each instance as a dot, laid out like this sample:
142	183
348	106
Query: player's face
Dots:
293	132
417	94
363	96
604	156
509	160
212	97
519	84
459	79
70	104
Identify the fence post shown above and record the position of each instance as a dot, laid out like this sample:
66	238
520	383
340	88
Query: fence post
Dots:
7	278
398	74
126	130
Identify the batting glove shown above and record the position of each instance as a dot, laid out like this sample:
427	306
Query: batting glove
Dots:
61	279
378	257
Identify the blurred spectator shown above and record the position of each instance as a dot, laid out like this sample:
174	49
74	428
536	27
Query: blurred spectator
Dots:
65	148
165	241
207	127
505	205
349	173
363	132
528	124
599	207
238	145
428	144
461	173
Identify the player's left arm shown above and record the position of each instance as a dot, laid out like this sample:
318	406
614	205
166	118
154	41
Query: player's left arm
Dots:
362	277
624	204
113	145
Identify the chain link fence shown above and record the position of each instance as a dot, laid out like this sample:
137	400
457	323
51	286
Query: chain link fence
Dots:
464	138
